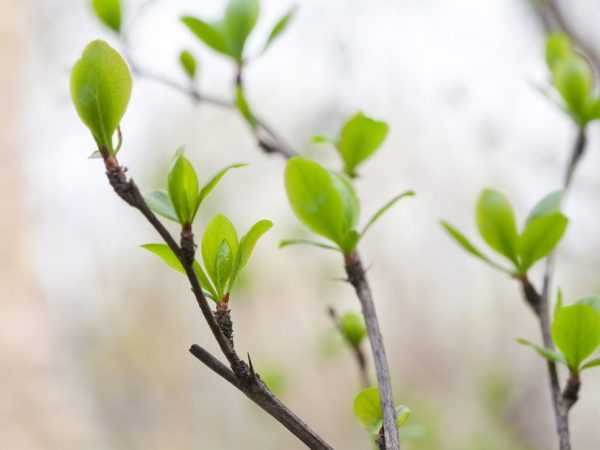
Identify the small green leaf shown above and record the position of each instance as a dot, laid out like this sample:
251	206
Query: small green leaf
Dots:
212	183
546	353
100	90
183	188
344	187
557	46
189	64
160	202
323	139
240	18
209	33
496	223
548	205
353	327
367	409
223	266
360	138
280	26
288	242
572	77
591	363
246	246
314	199
593	301
381	211
576	332
109	12
462	240
244	108
540	237
218	230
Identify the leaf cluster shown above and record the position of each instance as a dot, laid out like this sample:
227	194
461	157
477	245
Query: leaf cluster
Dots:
367	410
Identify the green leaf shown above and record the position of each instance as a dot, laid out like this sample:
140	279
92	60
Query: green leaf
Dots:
314	199
244	108
280	26
593	301
360	138
109	12
223	266
183	188
164	252
100	90
188	62
557	46
548	205
576	332
464	242
572	77
288	242
353	327
591	363
160	202
593	112
246	246
367	409
546	353
496	223
381	211
323	139
212	183
218	230
240	18
344	187
540	237
209	33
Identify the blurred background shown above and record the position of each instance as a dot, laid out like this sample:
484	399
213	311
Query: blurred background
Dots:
95	332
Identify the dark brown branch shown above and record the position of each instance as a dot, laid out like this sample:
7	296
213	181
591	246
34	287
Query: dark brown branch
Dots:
357	351
240	374
358	279
571	392
256	390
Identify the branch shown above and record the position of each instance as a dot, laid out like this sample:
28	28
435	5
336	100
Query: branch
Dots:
359	355
358	279
240	375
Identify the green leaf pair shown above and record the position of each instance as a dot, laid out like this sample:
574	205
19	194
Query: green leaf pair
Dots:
109	12
184	196
496	222
573	78
576	333
223	255
228	35
326	202
367	409
100	90
359	139
353	328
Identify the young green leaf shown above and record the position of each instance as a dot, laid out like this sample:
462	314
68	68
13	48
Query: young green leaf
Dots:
246	246
218	230
279	27
591	363
464	242
212	183
323	139
557	46
211	34
160	202
109	12
548	205
244	108
314	199
223	265
576	332
546	353
189	64
572	77
540	237
381	211
288	242
360	138
353	327
183	188
593	301
496	223
367	409
344	187
100	90
240	18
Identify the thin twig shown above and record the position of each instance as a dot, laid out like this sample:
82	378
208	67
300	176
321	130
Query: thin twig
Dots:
357	351
357	277
240	374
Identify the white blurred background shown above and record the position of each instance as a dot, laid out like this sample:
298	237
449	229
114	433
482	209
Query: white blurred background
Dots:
95	332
